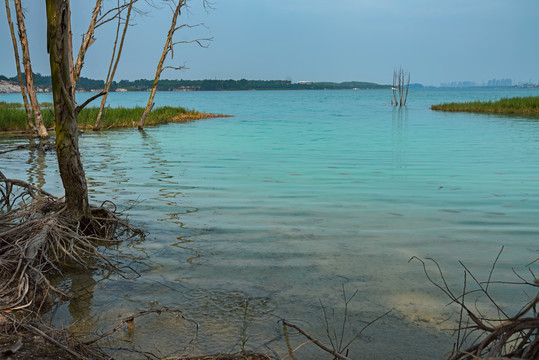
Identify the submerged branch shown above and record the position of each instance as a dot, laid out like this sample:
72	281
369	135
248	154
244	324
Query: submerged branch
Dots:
315	341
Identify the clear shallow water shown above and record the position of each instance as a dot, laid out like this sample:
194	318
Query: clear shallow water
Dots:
297	194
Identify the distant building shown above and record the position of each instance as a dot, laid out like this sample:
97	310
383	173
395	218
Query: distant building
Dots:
500	83
460	84
305	82
468	84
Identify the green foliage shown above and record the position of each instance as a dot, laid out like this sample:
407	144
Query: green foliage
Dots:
13	117
90	84
86	84
129	117
4	105
39	80
518	105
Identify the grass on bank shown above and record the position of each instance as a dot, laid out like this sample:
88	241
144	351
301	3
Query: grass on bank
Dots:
518	105
13	116
6	105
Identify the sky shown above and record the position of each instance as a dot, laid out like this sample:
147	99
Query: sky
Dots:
437	41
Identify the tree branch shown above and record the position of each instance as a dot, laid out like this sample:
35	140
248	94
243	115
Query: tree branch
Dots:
317	342
198	41
79	108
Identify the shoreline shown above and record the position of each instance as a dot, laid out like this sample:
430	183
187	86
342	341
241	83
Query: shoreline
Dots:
505	106
14	121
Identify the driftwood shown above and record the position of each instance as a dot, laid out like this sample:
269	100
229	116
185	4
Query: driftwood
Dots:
481	337
317	342
338	346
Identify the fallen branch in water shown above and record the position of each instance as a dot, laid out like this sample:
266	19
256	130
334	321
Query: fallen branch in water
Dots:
506	337
130	321
317	342
339	346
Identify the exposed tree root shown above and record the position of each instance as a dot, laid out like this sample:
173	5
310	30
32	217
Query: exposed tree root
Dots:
37	238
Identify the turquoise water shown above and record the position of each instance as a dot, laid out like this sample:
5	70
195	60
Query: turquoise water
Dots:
298	194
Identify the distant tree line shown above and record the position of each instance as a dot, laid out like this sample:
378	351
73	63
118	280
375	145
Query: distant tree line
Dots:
86	84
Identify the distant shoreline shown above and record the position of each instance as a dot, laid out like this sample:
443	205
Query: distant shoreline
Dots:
43	84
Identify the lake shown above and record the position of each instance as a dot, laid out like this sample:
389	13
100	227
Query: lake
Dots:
269	213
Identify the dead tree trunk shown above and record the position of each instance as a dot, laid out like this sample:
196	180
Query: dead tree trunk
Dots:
18	65
407	87
112	69
41	130
401	83
166	49
394	88
400	87
67	147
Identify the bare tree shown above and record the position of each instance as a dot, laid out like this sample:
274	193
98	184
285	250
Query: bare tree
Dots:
41	130
63	70
394	100
18	65
67	147
114	60
401	84
168	48
64	75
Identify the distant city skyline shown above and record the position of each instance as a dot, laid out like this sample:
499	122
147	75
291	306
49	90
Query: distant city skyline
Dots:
489	83
300	40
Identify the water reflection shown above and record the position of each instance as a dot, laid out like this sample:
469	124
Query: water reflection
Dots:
182	241
36	161
82	292
398	135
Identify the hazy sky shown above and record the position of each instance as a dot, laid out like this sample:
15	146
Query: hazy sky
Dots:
317	40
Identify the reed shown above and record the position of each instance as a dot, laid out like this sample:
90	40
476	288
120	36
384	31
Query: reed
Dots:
4	105
518	105
13	117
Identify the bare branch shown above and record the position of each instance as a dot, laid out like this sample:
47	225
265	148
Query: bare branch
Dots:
112	69
493	266
79	108
88	39
174	68
317	342
198	41
189	26
116	12
168	47
130	322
